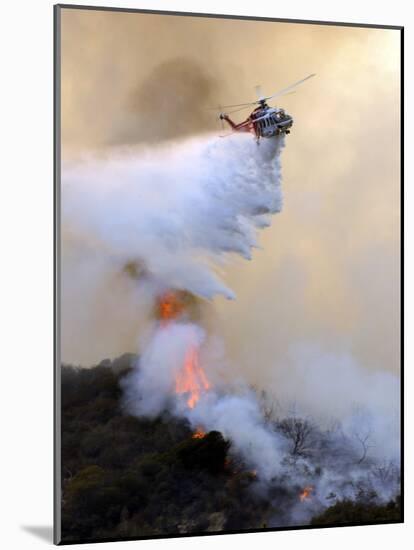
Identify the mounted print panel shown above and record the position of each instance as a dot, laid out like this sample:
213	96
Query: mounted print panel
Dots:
228	229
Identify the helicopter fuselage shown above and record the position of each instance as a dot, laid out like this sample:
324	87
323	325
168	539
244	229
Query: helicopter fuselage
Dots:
263	122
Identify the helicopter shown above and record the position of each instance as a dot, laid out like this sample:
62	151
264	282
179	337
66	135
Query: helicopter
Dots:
263	121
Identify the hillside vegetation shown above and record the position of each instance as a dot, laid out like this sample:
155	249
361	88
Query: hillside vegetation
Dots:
125	477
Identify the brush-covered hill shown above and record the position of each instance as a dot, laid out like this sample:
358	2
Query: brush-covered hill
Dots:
126	477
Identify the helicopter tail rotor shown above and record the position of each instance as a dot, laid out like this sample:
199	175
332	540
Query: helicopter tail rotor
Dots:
221	117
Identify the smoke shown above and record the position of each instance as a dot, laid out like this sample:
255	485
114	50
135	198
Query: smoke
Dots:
150	387
332	385
166	216
330	263
175	211
172	102
172	216
232	409
317	323
239	419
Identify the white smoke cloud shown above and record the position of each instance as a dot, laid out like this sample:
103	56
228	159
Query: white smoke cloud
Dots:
239	419
333	386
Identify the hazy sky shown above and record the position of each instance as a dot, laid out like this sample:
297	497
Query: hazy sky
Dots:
328	273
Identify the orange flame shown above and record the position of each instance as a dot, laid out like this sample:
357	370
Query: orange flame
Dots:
169	306
191	379
306	493
199	434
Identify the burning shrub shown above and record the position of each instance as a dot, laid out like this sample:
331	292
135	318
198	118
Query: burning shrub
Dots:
306	493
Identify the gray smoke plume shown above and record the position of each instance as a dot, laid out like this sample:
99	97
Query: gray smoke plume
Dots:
171	217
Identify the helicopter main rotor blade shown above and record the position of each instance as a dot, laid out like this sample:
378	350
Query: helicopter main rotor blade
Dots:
286	90
258	91
259	94
256	102
240	105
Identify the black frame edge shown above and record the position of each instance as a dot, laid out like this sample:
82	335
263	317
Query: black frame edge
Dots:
230	16
402	351
57	535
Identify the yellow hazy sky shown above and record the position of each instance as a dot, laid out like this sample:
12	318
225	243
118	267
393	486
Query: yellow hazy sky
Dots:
329	268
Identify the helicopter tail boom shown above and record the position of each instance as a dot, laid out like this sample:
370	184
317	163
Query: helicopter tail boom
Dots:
243	127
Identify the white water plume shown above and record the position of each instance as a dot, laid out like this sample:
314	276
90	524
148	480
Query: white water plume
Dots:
175	210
